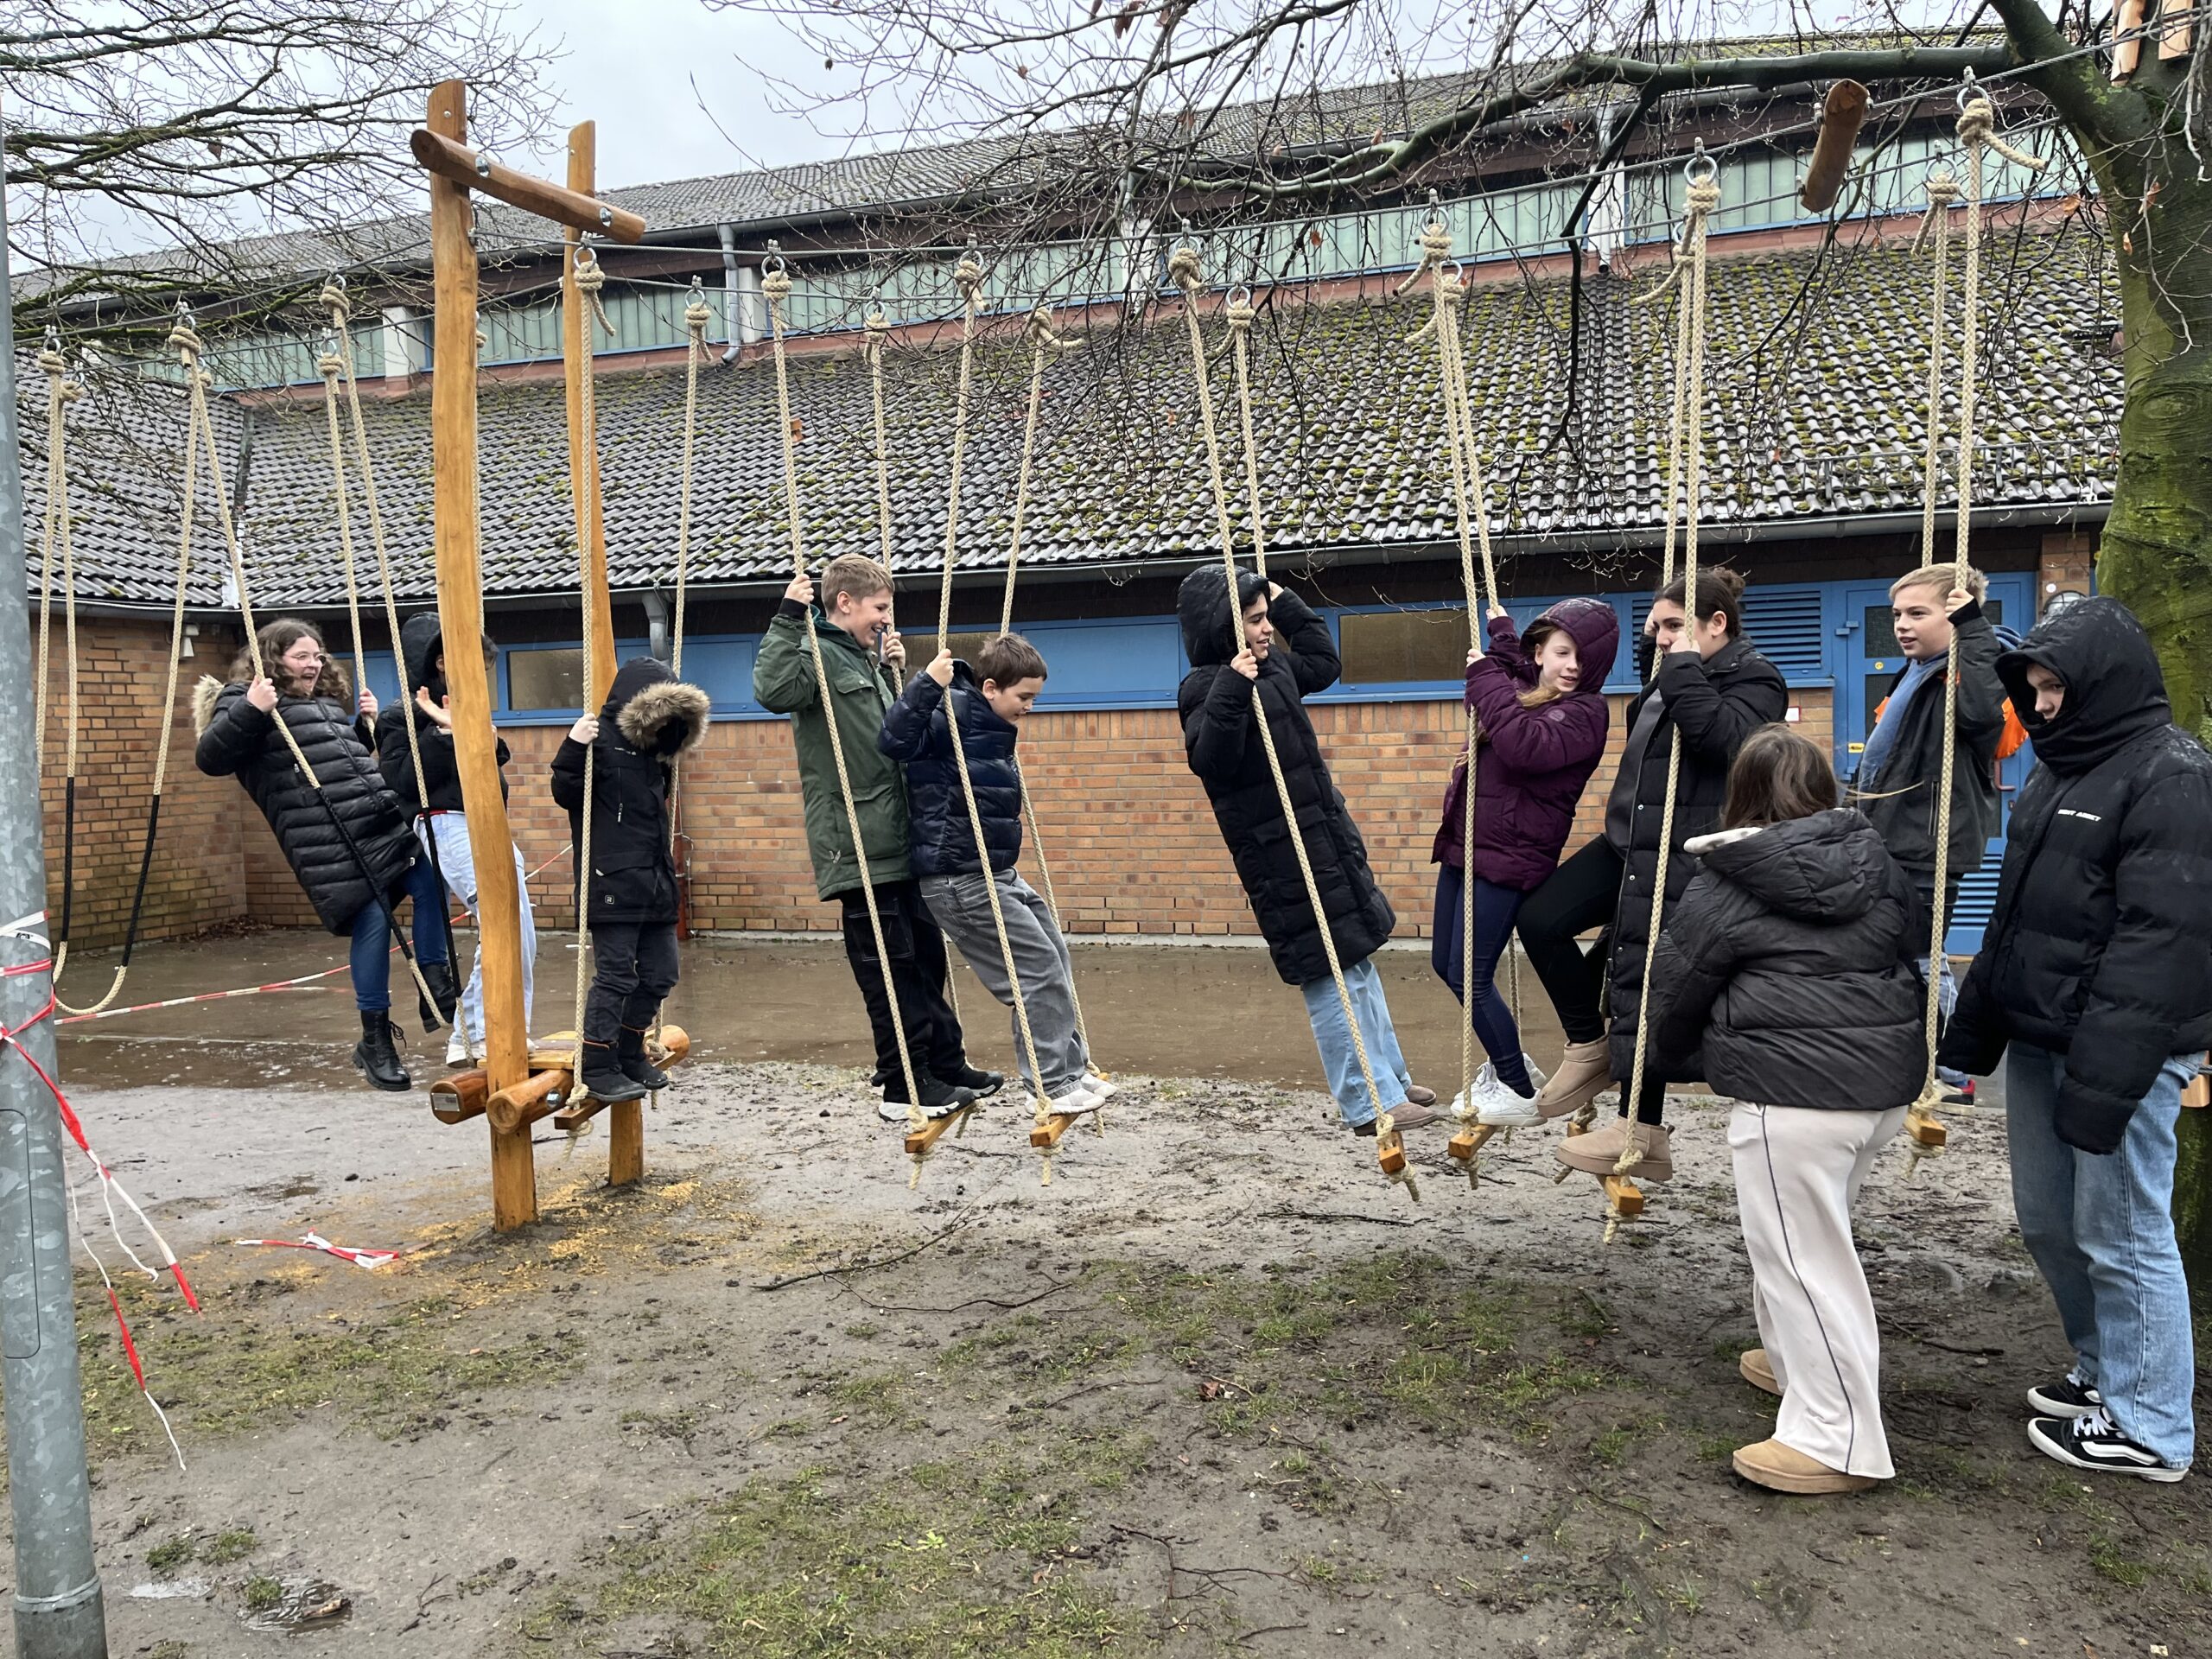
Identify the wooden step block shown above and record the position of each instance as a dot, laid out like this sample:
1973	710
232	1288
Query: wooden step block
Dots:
919	1140
1464	1145
1626	1197
459	1095
1048	1133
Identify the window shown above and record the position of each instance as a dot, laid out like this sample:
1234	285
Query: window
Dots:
1394	647
545	678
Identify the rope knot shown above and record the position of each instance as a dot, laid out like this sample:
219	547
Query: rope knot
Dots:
1978	125
698	315
1185	270
1704	197
776	286
185	342
1240	314
968	277
1040	330
330	365
334	301
1942	190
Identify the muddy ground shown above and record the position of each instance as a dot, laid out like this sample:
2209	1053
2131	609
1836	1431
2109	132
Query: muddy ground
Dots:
1219	1388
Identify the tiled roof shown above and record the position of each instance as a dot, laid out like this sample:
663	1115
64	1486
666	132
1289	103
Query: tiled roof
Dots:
1815	409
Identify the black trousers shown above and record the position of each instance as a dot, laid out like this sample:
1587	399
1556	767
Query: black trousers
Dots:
1583	892
634	967
917	969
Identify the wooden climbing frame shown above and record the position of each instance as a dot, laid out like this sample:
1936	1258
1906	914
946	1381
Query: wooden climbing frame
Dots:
512	1091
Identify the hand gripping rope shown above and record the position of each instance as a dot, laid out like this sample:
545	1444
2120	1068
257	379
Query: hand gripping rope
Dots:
776	288
1186	271
184	340
1976	129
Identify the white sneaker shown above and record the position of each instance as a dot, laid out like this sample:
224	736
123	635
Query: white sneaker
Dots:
1104	1088
1076	1101
1497	1106
457	1052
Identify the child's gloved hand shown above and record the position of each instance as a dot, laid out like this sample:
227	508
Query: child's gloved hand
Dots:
940	669
585	730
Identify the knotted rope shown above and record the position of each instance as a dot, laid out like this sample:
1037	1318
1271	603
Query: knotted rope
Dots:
184	341
1703	198
589	277
1187	271
1976	125
1239	313
969	278
776	289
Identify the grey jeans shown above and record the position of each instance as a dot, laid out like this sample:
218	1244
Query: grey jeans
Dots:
963	908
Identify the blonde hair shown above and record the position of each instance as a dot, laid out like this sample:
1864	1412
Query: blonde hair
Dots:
1943	578
851	573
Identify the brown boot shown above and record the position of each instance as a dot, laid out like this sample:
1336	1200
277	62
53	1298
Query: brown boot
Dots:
1586	1071
1782	1468
1419	1095
1598	1151
1758	1370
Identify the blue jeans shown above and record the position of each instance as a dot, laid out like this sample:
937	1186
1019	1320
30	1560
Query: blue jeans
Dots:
1339	1059
371	950
2102	1232
1494	909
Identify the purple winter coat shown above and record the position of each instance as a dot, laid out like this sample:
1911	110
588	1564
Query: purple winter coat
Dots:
1533	762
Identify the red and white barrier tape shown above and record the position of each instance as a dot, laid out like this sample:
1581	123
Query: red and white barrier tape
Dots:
369	1259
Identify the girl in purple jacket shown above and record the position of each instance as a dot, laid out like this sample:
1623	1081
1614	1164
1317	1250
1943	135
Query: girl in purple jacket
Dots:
1539	700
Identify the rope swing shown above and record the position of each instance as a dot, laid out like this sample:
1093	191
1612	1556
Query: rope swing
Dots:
1976	131
590	279
1186	271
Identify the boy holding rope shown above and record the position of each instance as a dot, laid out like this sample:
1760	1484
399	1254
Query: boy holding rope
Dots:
863	656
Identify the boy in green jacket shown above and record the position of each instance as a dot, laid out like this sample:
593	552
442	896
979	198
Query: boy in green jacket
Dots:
864	659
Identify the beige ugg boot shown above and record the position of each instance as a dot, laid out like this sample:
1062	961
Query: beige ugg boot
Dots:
1782	1468
1598	1151
1584	1071
1759	1370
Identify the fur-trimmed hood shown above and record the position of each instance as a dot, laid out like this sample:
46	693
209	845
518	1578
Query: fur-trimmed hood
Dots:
656	713
203	702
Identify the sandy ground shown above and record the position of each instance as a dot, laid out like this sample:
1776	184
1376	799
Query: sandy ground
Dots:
1219	1388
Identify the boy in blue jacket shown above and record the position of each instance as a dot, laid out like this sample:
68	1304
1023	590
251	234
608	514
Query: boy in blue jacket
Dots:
985	705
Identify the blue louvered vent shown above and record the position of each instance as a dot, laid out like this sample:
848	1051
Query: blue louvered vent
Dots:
1977	898
1785	623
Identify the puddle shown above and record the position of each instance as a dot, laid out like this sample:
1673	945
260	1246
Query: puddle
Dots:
298	1604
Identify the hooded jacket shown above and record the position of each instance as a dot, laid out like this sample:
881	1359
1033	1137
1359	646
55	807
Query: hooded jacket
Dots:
1900	800
1222	741
421	642
917	731
861	690
2100	944
1785	973
1532	764
650	720
237	740
1715	702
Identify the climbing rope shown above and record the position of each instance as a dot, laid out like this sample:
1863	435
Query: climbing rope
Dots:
968	275
61	391
1703	199
776	288
1187	271
589	277
1976	131
184	341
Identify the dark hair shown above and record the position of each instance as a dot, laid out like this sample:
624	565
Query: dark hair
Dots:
1719	589
1008	659
275	638
1778	776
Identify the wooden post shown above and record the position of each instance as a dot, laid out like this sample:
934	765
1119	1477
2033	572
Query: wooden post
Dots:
452	418
626	1134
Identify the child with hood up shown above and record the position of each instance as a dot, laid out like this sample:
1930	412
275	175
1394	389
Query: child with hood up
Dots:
1231	652
650	720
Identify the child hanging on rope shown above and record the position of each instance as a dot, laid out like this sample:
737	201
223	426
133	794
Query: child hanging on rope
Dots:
1937	620
2096	969
347	843
863	655
1222	744
1713	688
1540	698
987	705
421	648
1784	978
650	719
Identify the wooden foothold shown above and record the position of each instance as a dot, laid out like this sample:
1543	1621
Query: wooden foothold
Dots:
514	1109
919	1140
1390	1152
2199	1091
577	1114
1626	1197
1048	1133
1841	116
1926	1131
457	1098
1464	1145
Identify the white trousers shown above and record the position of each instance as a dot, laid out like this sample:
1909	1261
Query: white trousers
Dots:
457	864
1798	1170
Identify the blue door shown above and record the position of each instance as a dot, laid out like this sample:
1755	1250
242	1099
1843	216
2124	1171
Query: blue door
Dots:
1869	660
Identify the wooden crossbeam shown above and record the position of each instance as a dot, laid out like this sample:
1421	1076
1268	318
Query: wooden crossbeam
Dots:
456	164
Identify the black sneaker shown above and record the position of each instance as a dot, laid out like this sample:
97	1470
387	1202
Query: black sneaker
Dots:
2067	1397
1962	1096
939	1098
979	1083
2095	1442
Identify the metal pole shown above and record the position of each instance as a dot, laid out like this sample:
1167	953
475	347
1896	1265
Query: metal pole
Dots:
58	1612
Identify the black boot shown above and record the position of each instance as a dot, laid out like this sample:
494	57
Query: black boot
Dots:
939	1098
603	1079
438	975
630	1055
964	1076
378	1054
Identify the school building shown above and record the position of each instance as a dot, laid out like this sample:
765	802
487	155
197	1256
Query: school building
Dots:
1816	421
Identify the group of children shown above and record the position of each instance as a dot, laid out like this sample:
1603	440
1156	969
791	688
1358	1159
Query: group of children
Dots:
1790	972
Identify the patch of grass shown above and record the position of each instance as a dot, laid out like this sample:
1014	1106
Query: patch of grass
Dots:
169	1649
262	1592
170	1554
2113	1562
225	1547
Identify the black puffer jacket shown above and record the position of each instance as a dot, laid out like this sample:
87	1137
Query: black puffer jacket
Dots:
916	732
1901	801
420	644
651	718
1785	973
1221	740
2100	945
1716	703
237	740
